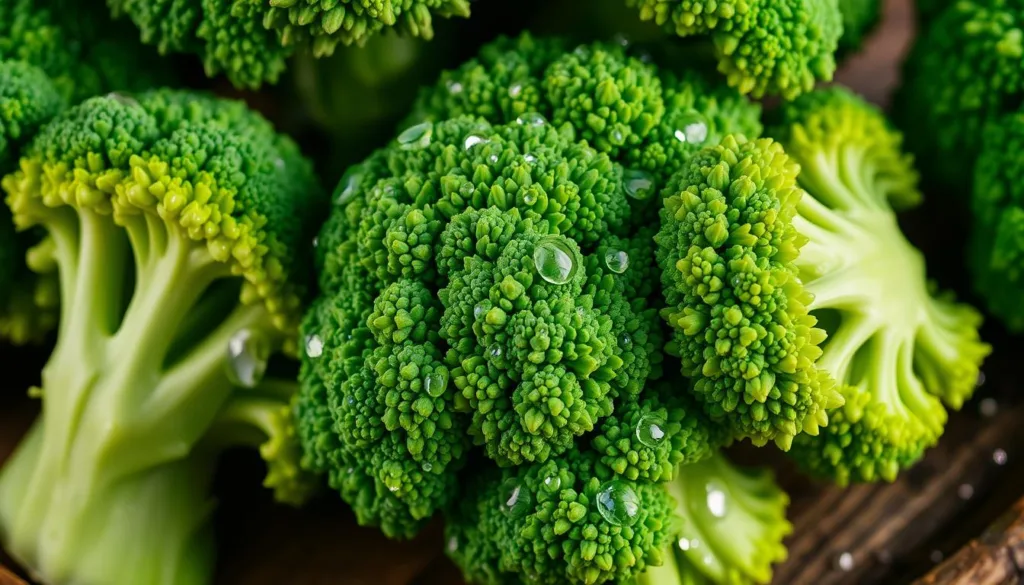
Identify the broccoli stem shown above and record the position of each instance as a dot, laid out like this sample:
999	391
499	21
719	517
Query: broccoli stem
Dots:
111	484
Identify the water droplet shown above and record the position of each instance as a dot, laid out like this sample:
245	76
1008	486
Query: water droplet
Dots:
716	500
645	57
988	407
691	128
279	163
965	491
617	137
638	184
473	140
494	351
530	158
348	186
314	346
844	562
650	430
582	51
530	197
479	310
515	500
454	87
999	457
552	483
316	241
531	119
980	381
427	467
621	40
554	260
936	556
493	158
467	189
616	260
625	341
453	544
435	383
515	90
416	137
123	99
248	353
618	503
688	544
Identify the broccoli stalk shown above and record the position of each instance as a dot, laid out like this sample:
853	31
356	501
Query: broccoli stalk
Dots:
733	525
177	224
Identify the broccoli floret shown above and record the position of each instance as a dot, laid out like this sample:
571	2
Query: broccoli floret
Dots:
733	525
28	99
962	73
250	42
763	47
998	211
860	17
894	356
558	522
650	119
178	225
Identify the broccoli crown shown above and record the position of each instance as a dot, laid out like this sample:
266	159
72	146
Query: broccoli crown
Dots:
558	522
734	297
963	72
998	211
733	524
650	119
763	46
894	357
179	225
28	98
250	42
859	18
77	46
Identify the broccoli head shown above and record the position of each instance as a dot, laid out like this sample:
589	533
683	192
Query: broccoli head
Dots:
179	227
250	42
763	47
733	522
963	72
998	211
894	357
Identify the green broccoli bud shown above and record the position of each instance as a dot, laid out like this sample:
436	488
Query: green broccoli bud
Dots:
962	73
895	357
178	225
733	525
996	202
763	47
558	522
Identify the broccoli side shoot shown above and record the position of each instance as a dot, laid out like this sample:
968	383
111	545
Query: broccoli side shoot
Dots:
763	47
997	201
963	72
733	522
28	99
895	346
178	225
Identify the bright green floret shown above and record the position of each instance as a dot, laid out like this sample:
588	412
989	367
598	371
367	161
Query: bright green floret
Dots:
250	41
963	73
179	226
860	17
728	246
733	526
896	358
763	47
997	200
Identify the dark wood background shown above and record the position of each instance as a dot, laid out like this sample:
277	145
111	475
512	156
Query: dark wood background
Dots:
887	534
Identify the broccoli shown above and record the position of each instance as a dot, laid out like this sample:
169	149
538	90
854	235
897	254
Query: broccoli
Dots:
759	272
250	42
995	244
488	292
764	47
733	524
178	225
962	73
860	17
51	55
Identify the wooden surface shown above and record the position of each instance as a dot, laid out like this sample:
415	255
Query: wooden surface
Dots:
889	534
